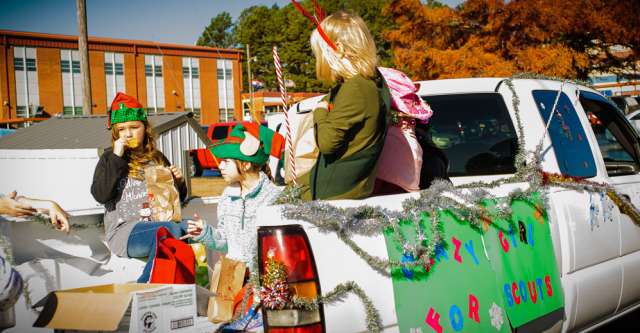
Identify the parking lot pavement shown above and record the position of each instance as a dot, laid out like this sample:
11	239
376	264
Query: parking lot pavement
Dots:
205	207
630	322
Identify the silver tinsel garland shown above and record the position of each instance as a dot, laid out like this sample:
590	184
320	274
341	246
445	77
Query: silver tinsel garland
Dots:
336	295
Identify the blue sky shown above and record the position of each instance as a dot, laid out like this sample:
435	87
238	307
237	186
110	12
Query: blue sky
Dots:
166	21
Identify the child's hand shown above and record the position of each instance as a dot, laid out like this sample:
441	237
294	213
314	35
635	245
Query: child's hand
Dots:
177	173
59	218
194	227
119	146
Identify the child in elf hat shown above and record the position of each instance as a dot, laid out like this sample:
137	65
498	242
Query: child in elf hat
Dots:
119	184
242	157
350	123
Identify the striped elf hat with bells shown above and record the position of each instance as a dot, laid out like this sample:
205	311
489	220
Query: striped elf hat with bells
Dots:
251	142
125	108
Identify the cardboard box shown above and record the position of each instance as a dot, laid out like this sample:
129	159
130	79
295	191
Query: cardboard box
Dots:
128	307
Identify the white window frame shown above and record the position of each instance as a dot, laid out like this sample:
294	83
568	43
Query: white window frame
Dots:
22	51
111	56
154	89
225	108
72	87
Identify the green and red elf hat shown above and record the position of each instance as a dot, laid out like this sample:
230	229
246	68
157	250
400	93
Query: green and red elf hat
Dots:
251	142
125	108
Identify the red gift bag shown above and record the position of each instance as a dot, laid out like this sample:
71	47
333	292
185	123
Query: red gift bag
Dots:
174	262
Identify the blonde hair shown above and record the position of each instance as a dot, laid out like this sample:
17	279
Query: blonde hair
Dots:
139	159
356	49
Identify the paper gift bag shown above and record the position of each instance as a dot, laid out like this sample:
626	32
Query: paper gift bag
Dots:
226	281
164	198
306	150
174	262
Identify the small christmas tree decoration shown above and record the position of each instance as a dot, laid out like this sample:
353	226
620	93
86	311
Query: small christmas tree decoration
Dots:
275	270
275	293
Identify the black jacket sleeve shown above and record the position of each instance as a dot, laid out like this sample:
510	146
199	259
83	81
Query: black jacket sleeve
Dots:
180	186
110	169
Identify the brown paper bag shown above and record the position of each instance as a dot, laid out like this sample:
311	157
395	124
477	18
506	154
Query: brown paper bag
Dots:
226	281
164	199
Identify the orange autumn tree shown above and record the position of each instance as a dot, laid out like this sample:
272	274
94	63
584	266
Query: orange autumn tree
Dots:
569	38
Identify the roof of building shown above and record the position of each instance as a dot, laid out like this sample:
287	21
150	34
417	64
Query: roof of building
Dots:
37	39
65	132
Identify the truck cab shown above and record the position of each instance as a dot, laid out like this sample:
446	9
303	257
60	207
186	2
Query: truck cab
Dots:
582	136
201	158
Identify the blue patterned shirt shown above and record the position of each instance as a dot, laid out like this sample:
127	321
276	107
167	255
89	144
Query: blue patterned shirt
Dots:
235	233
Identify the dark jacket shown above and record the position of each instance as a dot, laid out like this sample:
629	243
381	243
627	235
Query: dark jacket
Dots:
435	164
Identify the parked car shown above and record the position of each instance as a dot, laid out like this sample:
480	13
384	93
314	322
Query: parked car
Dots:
627	104
634	119
474	122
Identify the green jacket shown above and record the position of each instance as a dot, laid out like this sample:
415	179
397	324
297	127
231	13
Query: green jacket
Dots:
350	137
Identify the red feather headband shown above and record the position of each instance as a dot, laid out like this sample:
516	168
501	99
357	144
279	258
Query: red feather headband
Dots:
316	19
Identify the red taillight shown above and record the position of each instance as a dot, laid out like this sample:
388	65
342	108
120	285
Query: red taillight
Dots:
293	251
289	245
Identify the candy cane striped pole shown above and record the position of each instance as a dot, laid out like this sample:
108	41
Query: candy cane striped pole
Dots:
283	97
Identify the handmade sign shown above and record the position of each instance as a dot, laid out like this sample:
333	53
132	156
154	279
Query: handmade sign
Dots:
521	254
472	284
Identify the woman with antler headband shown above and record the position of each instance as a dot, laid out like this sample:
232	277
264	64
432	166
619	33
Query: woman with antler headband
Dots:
350	122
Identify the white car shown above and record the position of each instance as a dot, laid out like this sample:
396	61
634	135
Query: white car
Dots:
595	248
634	119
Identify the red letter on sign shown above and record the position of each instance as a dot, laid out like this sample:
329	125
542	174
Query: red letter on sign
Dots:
456	254
473	308
433	320
514	291
503	242
547	281
533	293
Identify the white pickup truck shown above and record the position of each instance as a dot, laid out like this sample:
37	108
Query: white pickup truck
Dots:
596	246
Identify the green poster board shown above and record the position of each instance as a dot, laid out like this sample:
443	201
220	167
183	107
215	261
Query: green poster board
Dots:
458	293
522	257
469	287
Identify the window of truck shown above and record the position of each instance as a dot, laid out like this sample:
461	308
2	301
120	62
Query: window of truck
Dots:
219	133
475	132
617	140
570	143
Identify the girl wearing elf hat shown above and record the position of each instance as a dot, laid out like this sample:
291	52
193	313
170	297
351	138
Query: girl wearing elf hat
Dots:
243	156
119	184
350	123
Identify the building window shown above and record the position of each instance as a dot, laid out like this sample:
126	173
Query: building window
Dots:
191	78
26	74
114	74
155	85
72	110
71	82
226	96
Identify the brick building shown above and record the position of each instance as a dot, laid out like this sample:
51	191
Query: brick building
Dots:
40	76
